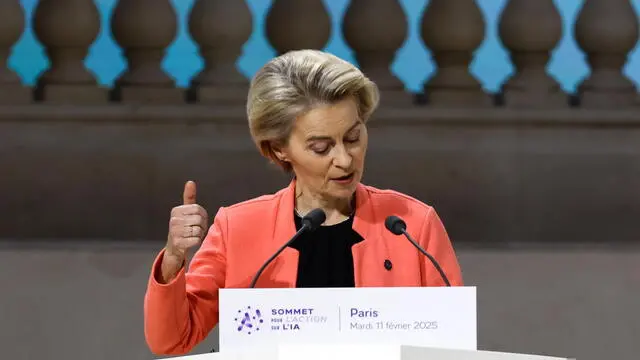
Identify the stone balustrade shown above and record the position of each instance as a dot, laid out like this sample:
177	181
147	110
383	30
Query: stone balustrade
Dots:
605	30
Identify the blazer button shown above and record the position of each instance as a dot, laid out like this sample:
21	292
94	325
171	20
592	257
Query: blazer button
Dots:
387	264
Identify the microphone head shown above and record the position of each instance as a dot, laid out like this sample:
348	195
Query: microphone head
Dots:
314	219
394	224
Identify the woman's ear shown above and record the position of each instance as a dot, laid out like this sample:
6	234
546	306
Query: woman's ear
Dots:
274	152
279	153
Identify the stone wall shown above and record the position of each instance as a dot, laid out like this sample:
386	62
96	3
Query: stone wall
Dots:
495	176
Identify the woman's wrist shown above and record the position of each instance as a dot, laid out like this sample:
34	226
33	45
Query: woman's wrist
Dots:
171	265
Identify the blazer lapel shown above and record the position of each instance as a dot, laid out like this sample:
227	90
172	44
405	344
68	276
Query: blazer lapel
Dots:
284	268
363	217
370	254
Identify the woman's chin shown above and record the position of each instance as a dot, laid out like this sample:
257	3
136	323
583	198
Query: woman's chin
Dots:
344	189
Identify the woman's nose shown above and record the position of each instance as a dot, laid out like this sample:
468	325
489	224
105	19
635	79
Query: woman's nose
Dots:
342	157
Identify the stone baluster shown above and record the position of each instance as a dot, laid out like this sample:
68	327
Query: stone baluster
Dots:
144	29
530	30
220	28
298	24
453	30
67	28
12	19
375	30
607	30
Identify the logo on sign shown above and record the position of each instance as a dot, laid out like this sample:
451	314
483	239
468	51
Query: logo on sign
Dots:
249	320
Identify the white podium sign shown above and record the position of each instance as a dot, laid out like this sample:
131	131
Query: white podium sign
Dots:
442	317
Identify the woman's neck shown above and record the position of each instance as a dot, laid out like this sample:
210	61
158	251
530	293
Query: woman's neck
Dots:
336	210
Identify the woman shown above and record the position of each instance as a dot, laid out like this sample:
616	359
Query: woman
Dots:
307	113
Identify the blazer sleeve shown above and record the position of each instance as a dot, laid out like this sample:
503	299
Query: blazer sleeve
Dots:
435	240
180	314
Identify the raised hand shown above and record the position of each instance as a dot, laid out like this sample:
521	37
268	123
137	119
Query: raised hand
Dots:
187	228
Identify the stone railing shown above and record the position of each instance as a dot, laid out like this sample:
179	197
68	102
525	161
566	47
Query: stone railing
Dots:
606	30
528	164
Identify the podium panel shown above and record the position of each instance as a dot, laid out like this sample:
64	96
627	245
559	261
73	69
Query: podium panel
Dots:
417	323
444	317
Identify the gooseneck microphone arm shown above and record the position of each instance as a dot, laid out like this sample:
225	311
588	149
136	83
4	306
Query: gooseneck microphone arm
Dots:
397	226
429	256
310	222
281	249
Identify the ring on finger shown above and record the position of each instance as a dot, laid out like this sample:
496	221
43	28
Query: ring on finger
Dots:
188	231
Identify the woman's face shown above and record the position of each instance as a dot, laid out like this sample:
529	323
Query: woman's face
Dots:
327	148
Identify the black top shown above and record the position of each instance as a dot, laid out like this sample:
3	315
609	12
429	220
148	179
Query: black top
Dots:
325	258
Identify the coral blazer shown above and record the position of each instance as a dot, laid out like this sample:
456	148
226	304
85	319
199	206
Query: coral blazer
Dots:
180	314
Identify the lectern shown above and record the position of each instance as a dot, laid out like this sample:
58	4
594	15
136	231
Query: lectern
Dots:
395	323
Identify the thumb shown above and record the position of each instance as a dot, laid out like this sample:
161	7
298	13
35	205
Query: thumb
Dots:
189	194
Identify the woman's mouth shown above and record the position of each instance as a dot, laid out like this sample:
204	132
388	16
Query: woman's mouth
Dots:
344	180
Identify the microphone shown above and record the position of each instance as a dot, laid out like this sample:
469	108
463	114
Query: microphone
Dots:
310	222
397	226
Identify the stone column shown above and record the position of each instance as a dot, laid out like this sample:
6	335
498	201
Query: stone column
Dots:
144	29
376	30
607	31
220	28
12	20
530	30
453	30
298	24
67	28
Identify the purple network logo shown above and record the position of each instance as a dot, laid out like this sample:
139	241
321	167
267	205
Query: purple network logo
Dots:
249	320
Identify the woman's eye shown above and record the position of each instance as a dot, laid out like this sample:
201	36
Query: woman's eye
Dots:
320	149
353	138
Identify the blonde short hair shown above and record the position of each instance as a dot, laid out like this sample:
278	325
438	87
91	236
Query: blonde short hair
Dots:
292	84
